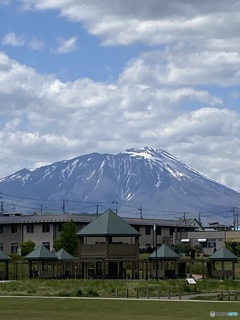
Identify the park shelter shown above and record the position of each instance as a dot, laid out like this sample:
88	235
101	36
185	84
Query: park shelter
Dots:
4	265
106	245
163	263
66	264
42	262
220	261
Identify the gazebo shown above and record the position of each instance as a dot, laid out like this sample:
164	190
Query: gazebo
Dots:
41	262
218	263
163	263
105	245
4	259
66	263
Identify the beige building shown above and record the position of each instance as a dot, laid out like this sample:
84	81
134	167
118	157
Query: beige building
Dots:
45	229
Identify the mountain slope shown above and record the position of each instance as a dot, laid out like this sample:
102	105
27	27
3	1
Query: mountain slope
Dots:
151	178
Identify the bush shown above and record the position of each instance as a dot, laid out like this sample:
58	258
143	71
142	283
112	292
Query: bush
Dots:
92	293
79	293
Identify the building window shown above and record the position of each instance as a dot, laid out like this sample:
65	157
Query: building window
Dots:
1	246
1	229
171	230
137	228
14	248
47	245
60	227
30	228
158	230
211	244
148	230
14	228
46	227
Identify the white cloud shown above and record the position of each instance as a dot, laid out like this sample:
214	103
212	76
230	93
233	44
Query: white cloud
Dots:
172	96
154	22
36	44
65	45
11	39
46	120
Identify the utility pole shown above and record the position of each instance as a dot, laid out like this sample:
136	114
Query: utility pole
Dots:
116	206
234	218
184	217
97	208
236	215
64	206
199	218
140	209
2	207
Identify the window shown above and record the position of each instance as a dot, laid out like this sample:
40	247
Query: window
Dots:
211	243
171	230
46	227
137	228
30	228
148	230
47	245
1	246
60	227
158	230
14	228
14	247
1	229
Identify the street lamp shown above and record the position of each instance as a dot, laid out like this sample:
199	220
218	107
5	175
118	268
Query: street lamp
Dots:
156	257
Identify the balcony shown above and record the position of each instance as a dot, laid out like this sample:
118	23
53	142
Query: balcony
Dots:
113	250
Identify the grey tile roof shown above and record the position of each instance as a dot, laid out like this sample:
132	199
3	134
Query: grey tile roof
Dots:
41	253
223	254
4	257
108	224
164	253
78	218
62	254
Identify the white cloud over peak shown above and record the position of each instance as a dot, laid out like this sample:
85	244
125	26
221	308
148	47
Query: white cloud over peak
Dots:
46	119
179	93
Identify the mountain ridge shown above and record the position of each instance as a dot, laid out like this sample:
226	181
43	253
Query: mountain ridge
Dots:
137	177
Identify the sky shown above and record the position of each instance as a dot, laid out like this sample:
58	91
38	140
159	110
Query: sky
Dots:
83	76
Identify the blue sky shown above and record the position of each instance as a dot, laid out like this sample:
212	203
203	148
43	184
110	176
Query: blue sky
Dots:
82	76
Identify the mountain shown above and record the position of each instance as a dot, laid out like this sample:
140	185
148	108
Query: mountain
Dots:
145	177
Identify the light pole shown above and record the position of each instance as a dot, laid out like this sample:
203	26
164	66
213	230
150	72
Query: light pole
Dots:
156	257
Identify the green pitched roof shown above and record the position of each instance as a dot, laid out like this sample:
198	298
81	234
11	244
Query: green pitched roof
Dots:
108	224
223	254
4	256
164	252
62	254
41	253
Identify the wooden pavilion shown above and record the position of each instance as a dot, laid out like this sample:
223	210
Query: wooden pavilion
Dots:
41	262
107	246
163	263
66	267
220	260
4	265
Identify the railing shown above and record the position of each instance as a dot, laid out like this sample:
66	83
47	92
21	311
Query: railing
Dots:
110	250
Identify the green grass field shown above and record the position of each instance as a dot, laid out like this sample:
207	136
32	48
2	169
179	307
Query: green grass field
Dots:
95	309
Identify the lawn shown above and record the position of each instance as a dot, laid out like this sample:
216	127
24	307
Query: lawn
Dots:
97	309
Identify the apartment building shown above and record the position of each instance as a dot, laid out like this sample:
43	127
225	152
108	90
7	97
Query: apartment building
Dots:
45	229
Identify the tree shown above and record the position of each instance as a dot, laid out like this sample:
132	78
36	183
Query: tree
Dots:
233	246
68	239
27	247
